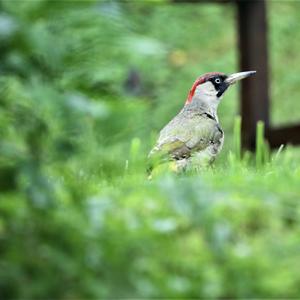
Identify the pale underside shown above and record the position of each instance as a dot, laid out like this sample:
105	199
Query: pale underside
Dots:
192	140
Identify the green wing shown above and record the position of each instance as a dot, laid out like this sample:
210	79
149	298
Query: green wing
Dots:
182	136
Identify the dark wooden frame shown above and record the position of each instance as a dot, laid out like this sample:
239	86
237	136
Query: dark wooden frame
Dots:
253	55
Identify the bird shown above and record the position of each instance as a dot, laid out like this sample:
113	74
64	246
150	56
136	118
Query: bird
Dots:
194	137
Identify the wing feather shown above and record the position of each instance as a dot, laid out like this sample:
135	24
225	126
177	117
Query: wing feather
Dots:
185	134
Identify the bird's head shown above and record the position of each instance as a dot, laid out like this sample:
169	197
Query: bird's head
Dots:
209	88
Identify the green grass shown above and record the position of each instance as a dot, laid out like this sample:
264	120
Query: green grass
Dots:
78	217
229	231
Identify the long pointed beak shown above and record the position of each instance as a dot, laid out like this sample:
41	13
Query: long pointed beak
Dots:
233	78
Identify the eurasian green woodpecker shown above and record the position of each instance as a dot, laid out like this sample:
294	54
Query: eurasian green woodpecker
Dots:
193	138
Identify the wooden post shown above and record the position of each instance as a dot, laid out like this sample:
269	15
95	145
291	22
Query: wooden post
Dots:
252	30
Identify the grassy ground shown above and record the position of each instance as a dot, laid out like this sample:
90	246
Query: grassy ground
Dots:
78	216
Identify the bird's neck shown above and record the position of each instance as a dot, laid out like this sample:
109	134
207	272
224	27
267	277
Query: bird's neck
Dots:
206	104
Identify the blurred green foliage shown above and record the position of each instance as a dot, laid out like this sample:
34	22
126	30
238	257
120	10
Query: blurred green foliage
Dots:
84	88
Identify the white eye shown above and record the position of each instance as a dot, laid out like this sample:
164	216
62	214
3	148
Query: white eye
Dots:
217	80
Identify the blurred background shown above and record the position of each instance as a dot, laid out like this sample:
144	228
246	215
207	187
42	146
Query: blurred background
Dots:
85	86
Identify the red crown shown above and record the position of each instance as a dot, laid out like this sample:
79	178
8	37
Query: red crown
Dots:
198	81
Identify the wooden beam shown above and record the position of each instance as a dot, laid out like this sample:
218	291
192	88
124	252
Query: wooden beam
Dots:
283	135
252	31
